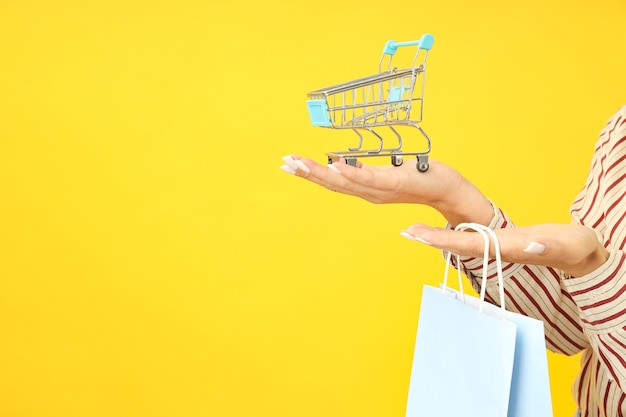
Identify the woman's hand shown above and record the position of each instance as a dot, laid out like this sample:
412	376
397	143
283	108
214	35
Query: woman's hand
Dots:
572	248
441	187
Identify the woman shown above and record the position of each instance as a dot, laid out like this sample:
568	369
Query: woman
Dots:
570	276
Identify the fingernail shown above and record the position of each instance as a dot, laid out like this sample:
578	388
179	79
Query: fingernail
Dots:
302	166
291	163
536	248
333	168
415	238
287	169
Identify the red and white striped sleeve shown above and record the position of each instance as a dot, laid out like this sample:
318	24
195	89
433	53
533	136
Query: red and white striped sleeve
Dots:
602	303
589	312
601	205
534	291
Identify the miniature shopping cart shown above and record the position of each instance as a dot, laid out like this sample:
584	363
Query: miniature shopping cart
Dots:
390	100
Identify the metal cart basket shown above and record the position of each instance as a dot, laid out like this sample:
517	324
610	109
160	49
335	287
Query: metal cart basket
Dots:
391	98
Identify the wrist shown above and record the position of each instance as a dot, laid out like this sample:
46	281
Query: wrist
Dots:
465	203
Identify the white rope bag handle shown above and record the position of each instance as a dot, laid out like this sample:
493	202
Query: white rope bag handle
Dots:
486	233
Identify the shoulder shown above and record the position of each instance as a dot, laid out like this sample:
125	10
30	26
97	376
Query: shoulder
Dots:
615	127
618	118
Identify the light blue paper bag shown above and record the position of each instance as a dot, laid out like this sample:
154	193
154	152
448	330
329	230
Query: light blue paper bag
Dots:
463	360
472	358
530	386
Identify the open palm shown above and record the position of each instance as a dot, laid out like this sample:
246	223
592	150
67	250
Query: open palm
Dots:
572	248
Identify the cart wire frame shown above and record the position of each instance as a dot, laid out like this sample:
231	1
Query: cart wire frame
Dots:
391	98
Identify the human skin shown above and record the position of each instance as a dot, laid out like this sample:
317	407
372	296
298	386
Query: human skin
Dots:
572	248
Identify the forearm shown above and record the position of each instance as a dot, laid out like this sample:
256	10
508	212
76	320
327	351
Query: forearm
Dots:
461	201
533	290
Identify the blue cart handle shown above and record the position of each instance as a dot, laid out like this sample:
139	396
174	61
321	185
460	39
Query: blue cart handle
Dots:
425	42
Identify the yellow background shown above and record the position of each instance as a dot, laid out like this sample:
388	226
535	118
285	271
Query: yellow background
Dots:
154	261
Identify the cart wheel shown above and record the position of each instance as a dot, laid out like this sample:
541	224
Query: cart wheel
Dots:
351	161
422	164
396	160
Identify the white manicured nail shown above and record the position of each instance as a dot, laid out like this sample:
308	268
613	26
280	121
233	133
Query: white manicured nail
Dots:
536	248
291	163
333	168
417	239
287	169
302	166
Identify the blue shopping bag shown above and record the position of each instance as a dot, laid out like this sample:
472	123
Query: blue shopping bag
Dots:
472	358
530	386
462	362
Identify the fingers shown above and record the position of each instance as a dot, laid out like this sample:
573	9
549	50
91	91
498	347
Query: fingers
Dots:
329	176
515	244
574	249
460	243
338	177
292	165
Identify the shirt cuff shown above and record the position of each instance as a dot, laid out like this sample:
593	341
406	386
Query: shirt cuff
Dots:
599	295
472	267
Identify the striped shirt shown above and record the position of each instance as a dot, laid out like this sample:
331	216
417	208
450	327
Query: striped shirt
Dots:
583	314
